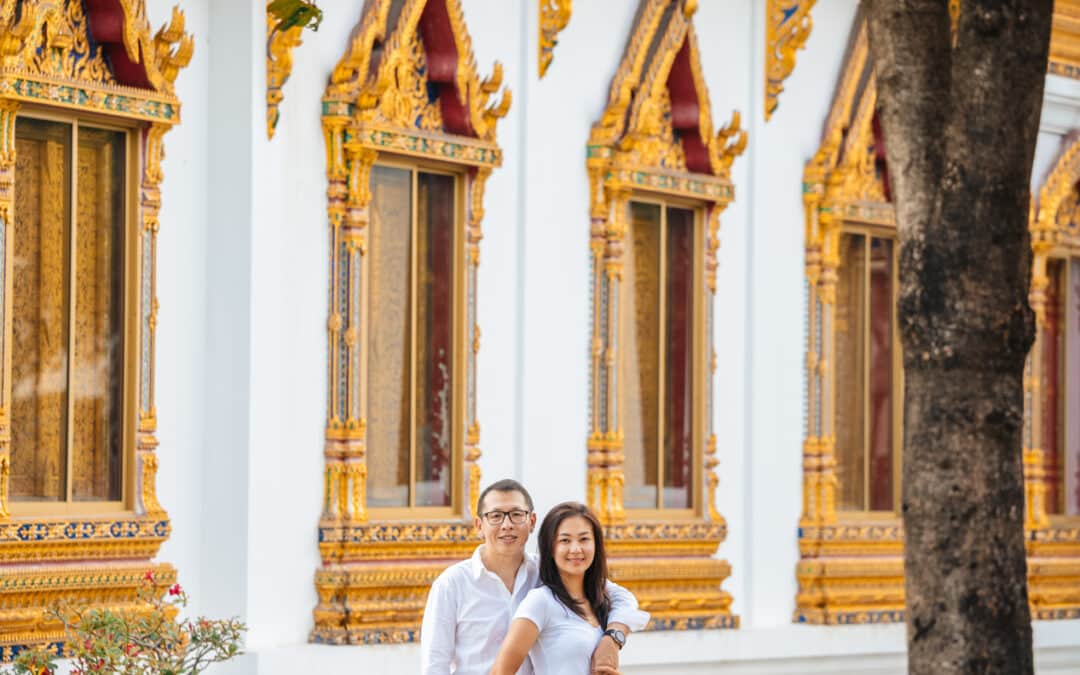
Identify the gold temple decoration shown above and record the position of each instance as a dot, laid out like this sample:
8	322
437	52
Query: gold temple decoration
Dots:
787	26
51	58
1053	542
554	16
1065	39
659	140
378	105
851	567
279	63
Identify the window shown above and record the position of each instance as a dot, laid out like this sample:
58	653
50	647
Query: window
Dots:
1060	388
662	302
412	374
69	402
868	374
409	156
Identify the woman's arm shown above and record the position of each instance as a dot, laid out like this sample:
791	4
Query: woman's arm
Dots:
515	648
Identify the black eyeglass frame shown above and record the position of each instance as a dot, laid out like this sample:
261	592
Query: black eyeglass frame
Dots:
503	515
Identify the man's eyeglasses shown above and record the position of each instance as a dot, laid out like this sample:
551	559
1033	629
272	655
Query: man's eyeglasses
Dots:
517	516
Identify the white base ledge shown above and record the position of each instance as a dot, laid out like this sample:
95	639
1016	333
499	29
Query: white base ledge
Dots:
794	649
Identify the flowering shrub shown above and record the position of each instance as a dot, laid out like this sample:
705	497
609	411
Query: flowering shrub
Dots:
146	641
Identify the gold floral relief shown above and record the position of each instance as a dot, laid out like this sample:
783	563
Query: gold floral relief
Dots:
51	39
409	99
654	143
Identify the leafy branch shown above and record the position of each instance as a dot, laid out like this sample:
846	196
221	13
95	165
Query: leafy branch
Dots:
291	13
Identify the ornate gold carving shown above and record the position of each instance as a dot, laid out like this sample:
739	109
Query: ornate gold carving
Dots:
407	99
787	26
396	107
51	40
279	62
353	85
25	594
554	15
46	58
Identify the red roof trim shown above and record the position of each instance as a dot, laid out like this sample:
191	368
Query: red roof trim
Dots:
686	112
440	49
106	21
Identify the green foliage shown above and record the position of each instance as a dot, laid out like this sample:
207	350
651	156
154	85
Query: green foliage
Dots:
289	13
147	641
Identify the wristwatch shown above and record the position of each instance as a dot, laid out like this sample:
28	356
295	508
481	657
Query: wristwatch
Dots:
617	635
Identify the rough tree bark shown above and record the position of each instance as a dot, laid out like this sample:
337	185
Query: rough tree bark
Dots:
960	124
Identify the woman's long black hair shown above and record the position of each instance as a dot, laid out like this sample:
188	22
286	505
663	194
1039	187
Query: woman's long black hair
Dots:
595	576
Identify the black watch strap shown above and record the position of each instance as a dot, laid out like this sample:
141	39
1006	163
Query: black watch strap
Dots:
617	635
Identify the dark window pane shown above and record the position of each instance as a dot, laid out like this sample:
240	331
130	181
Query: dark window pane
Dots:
881	375
640	361
1071	479
679	361
389	337
1050	385
434	357
41	305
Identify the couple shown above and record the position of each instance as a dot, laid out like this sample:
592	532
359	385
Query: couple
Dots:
489	614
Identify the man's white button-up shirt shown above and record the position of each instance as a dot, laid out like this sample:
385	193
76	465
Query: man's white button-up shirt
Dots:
468	615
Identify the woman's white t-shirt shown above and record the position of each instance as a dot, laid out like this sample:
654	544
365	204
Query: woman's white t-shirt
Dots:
566	641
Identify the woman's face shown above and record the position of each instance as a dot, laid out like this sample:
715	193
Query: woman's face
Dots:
574	546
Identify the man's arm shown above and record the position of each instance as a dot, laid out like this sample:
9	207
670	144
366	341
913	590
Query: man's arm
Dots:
624	616
438	630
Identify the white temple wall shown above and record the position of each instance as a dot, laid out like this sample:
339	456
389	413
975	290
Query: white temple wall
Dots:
243	259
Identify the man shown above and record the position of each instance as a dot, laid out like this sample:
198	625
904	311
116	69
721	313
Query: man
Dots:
471	604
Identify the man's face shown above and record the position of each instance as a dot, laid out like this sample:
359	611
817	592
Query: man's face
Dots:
506	537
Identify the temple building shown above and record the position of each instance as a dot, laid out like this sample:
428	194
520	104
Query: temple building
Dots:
278	303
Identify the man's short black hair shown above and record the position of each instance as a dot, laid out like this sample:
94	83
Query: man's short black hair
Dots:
504	485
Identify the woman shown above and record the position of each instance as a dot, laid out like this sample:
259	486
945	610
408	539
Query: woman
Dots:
559	623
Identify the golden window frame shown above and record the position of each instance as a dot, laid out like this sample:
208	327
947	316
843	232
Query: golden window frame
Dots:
93	555
651	142
1053	541
375	112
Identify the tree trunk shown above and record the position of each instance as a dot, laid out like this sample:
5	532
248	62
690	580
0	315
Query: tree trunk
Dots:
960	124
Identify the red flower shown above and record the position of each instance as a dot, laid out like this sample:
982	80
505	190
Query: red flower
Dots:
149	576
175	590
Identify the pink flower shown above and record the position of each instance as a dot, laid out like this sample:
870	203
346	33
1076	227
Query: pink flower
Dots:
175	590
